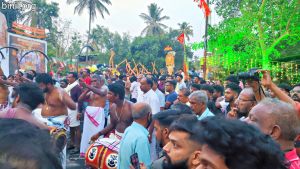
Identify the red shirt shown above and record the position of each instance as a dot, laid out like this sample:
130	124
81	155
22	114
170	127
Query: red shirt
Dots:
293	158
88	80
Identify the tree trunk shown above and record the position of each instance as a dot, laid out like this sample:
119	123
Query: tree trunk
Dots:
90	22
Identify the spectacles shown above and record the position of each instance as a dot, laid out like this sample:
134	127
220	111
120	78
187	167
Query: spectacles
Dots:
295	91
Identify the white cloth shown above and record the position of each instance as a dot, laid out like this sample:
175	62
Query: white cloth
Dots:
180	86
161	97
72	114
94	119
150	98
134	88
70	87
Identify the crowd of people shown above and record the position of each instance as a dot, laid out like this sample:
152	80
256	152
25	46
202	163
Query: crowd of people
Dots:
159	121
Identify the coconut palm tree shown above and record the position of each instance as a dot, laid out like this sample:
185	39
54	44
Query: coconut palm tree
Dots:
153	19
42	16
187	29
93	7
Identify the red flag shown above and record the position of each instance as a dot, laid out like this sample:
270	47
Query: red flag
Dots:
203	4
180	38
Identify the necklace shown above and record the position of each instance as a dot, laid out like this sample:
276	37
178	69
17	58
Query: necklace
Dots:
120	114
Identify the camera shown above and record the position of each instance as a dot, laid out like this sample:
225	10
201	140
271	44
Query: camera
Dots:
251	74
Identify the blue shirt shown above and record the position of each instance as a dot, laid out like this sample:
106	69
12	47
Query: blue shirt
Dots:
171	97
205	114
135	140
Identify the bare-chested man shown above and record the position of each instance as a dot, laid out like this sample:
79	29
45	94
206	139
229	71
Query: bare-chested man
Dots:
56	100
94	116
27	96
120	112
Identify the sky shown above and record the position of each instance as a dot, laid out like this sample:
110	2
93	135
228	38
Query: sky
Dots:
124	16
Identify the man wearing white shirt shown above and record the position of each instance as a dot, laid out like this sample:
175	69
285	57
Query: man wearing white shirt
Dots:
150	97
160	95
134	87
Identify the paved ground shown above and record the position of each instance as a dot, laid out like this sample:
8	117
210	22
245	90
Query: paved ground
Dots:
75	162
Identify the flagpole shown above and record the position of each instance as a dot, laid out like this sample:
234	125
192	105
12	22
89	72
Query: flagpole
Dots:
205	44
185	60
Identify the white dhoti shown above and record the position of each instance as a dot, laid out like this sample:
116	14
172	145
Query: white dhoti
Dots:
57	121
72	114
94	119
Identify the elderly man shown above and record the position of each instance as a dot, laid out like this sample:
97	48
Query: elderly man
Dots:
198	101
279	120
94	116
183	97
135	139
244	103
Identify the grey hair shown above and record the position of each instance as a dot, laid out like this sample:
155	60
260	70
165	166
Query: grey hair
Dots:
200	96
140	110
98	77
285	116
186	92
249	91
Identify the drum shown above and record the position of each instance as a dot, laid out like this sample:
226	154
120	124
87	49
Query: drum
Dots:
103	154
59	137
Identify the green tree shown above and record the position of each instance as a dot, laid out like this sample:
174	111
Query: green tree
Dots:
42	16
153	20
187	29
254	33
93	6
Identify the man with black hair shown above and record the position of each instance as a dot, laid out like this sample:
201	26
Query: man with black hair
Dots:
232	79
56	100
27	97
160	95
162	122
74	90
199	80
133	89
183	150
286	88
25	146
151	98
279	120
86	76
180	83
232	92
218	92
222	142
120	111
195	87
172	96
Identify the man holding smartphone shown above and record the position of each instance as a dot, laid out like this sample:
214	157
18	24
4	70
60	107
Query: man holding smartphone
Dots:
135	145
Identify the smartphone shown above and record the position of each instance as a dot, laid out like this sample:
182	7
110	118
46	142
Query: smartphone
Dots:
134	159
